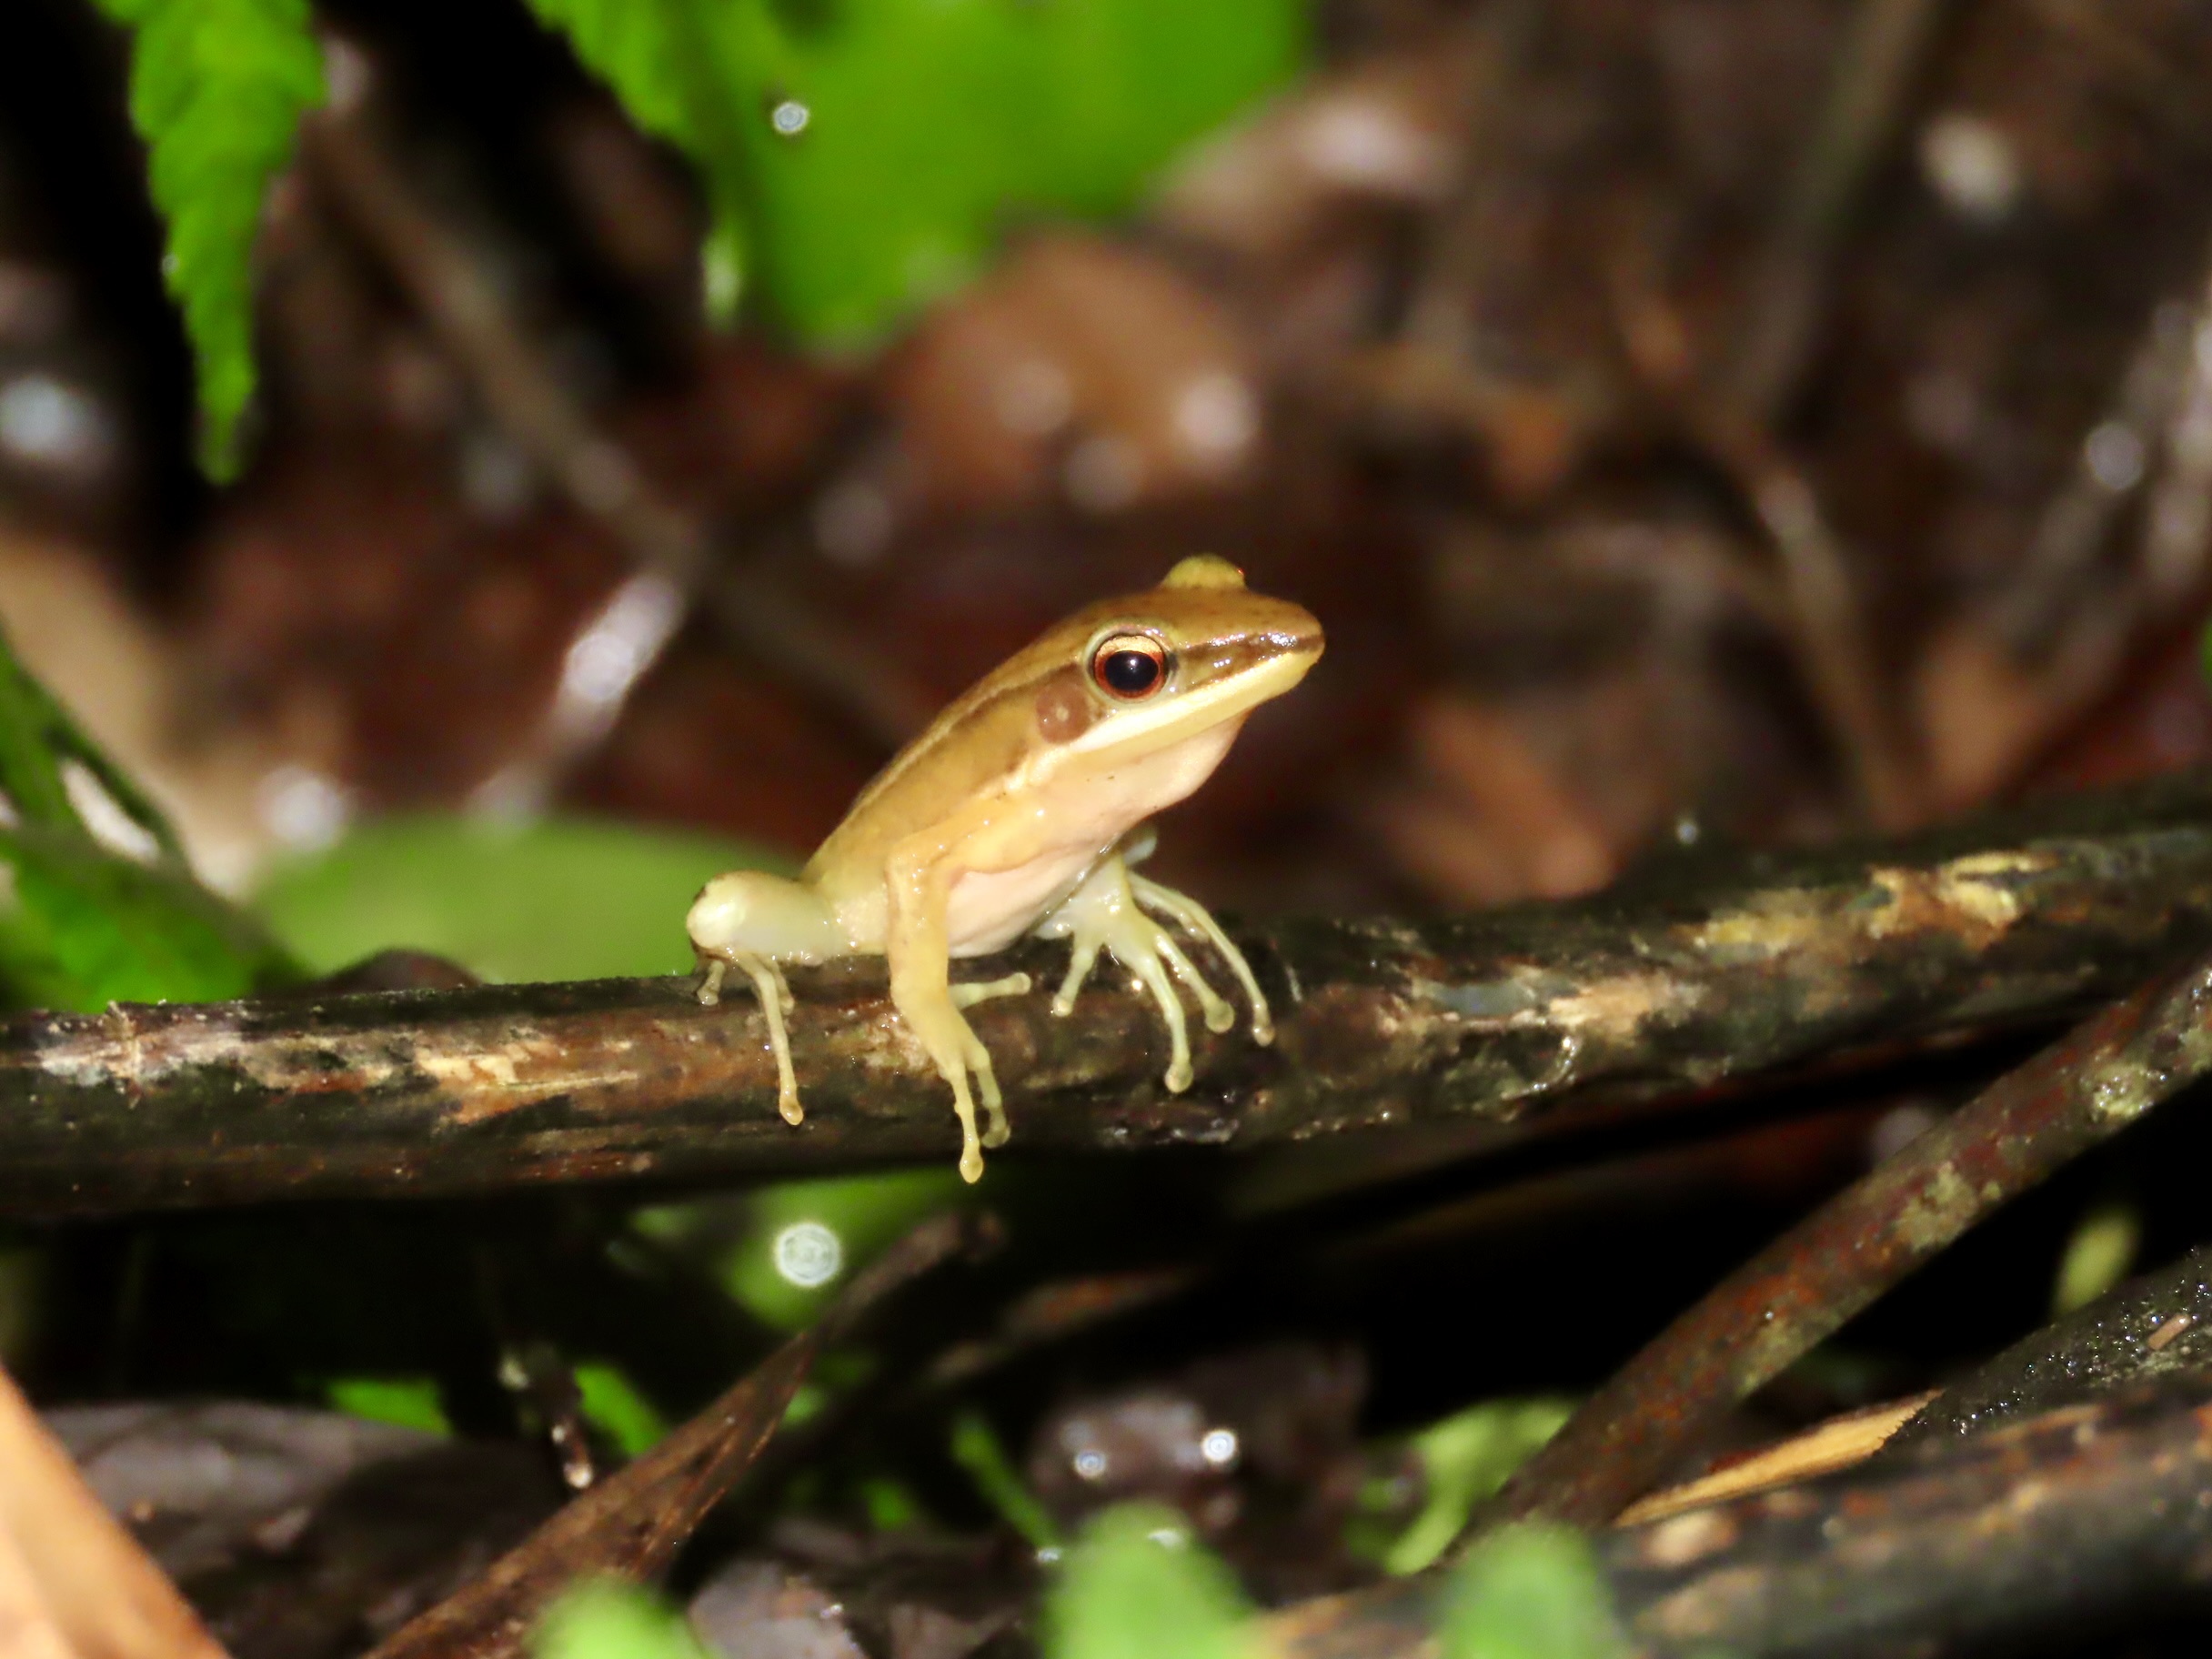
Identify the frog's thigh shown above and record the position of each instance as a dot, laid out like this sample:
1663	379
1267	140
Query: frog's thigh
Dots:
920	952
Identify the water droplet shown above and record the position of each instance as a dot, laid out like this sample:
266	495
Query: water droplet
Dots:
809	1254
789	117
2114	455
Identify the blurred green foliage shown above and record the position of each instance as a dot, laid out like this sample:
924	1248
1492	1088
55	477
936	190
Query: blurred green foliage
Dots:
557	900
218	88
861	155
858	157
87	921
611	1403
1135	1586
605	1618
1463	1460
975	1447
2100	1252
782	1252
412	1402
1530	1592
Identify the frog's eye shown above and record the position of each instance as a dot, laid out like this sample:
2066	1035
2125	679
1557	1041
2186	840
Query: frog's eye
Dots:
1129	667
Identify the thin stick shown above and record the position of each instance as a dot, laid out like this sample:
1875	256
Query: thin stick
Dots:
1478	1029
675	555
632	1523
2087	1511
1803	1287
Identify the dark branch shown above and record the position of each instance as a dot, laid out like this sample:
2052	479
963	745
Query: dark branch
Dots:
2086	1512
1800	1289
2157	1326
633	1524
1738	968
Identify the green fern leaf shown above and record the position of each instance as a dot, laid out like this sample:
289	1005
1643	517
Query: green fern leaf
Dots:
217	89
663	59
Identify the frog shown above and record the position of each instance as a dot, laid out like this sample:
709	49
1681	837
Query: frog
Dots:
1023	808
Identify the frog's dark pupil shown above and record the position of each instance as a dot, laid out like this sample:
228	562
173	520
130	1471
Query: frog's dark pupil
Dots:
1129	673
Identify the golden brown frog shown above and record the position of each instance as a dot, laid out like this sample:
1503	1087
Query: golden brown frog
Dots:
1020	809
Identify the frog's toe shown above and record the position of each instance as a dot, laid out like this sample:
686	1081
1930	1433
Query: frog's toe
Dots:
1081	960
967	994
995	1128
1219	1014
709	986
1198	922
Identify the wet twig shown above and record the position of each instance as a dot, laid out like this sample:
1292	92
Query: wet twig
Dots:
633	1524
1803	1287
1497	51
1828	624
2074	614
1881	55
676	561
2085	1512
1816	599
2157	1326
1733	968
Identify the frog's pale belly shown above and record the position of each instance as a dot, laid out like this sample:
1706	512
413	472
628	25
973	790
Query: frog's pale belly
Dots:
988	909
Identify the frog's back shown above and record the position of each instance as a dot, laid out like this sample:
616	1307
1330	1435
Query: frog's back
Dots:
968	753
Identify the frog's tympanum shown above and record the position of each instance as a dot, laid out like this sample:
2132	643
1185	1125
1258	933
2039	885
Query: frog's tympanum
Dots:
1020	810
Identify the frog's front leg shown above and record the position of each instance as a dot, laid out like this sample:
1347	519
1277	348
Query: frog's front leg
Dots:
1104	912
918	948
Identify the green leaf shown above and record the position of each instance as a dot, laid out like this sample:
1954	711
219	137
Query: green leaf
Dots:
605	1618
81	924
556	900
1136	1587
2098	1255
1463	1459
1530	1592
782	1252
610	1402
976	1448
217	89
411	1403
81	927
663	60
861	157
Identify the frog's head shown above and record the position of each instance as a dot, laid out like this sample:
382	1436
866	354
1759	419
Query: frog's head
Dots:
1148	671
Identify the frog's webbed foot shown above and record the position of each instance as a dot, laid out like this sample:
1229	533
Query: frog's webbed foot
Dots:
775	1002
1104	913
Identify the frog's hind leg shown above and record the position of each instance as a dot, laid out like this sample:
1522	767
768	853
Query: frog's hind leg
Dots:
927	1004
918	882
775	993
1199	923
